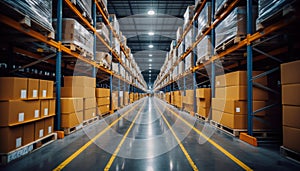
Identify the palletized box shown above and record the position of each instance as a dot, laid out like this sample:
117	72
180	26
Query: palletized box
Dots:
32	88
76	92
203	93
44	107
71	105
28	133
13	88
288	71
79	81
102	92
11	138
39	129
89	113
71	119
103	109
49	125
43	89
89	103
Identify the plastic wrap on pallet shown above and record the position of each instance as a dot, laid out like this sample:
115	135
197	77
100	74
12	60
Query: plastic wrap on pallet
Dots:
115	23
188	61
181	67
179	33
172	45
123	58
204	18
204	49
115	67
124	40
116	45
174	56
188	16
86	6
267	8
39	11
103	31
122	71
188	40
219	4
74	33
104	57
180	49
233	25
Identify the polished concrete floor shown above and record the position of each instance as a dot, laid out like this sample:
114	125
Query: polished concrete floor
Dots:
151	135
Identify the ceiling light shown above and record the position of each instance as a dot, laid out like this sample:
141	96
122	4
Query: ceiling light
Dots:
151	33
150	46
150	71
150	55
151	12
150	60
150	65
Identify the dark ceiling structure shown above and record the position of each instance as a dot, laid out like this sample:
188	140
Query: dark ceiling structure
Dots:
137	25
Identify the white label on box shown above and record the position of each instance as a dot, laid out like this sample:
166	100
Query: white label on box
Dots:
218	82
36	113
41	133
34	93
49	129
18	142
46	112
93	114
44	93
23	94
21	117
237	110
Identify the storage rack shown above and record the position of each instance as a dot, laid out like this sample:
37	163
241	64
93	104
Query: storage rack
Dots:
252	40
104	74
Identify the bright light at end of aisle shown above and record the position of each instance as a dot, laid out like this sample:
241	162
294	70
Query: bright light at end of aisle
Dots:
151	33
151	12
150	46
150	55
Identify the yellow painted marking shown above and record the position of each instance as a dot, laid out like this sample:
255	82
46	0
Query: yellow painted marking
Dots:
113	157
85	146
232	157
188	157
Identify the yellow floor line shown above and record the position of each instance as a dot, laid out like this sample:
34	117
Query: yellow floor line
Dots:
85	146
232	157
113	157
188	157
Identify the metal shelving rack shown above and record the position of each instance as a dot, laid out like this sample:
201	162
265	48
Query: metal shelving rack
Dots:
249	42
97	6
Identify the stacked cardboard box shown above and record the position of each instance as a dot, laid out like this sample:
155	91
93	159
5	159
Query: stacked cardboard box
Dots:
203	96
172	98
188	16
229	107
188	101
135	97
26	105
103	100
168	97
178	99
121	97
81	87
126	98
115	100
291	105
131	97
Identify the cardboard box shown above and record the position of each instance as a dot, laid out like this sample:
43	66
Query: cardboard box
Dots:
85	92
204	93
188	107
236	106
188	100
39	129
103	109
240	78
291	116
203	103
11	138
28	133
89	113
220	92
288	71
13	88
291	138
89	103
49	125
52	104
32	88
203	111
291	94
44	108
71	105
17	111
43	89
71	120
220	81
50	86
240	93
79	81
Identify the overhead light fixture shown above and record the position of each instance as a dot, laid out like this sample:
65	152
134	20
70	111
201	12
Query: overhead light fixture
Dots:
150	60
150	65
151	12
150	71
150	55
151	33
150	46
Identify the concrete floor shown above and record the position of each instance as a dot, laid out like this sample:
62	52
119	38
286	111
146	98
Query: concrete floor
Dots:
152	142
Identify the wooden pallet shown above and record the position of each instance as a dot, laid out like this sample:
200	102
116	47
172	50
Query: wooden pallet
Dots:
71	130
229	43
201	117
222	8
203	59
82	10
230	131
290	154
27	149
280	15
79	49
90	121
103	7
203	30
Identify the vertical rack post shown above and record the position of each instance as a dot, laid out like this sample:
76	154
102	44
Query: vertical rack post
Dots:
111	75
213	69
58	65
194	73
119	82
249	70
94	47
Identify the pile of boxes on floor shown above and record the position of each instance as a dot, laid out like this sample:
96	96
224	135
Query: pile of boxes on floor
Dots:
290	81
27	111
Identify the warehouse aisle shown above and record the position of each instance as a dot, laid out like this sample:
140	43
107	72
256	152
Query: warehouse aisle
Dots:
150	135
